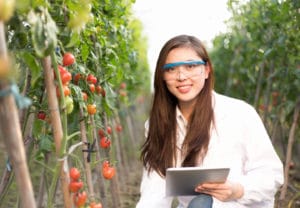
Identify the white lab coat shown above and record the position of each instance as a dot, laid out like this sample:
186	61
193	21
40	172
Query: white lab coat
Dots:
238	141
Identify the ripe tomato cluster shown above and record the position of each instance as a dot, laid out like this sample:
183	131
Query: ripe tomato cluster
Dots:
103	133
108	171
91	86
79	198
75	185
66	77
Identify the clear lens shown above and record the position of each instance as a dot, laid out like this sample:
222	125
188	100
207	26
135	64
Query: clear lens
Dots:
182	72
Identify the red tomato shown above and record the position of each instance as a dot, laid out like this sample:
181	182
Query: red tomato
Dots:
77	77
61	70
123	85
108	130
92	88
68	59
94	205
123	93
74	174
108	172
80	198
92	109
41	115
98	89
119	128
101	133
75	186
66	90
66	77
103	92
91	79
104	142
84	96
105	164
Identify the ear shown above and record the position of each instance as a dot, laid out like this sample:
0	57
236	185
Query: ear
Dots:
207	71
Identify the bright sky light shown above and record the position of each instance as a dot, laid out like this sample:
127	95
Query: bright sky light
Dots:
163	19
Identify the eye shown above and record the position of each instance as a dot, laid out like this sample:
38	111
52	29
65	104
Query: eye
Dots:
171	69
191	66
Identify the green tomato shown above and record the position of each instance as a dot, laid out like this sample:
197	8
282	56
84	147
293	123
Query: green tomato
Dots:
69	104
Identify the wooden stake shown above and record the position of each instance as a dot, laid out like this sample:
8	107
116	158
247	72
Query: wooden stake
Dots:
11	133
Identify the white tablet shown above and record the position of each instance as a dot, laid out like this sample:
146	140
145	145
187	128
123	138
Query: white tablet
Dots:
182	181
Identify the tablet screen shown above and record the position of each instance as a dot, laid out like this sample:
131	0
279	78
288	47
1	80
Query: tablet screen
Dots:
182	181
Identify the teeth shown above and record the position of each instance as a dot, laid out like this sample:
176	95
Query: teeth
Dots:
183	87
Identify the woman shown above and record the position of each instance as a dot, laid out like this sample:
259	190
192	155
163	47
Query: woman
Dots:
191	125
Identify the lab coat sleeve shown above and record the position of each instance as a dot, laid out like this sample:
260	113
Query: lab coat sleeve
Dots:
152	191
263	168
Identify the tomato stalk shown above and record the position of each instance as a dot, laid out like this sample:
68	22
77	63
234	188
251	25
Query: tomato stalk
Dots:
59	123
87	164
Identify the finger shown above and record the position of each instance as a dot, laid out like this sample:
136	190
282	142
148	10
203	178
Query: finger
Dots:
221	186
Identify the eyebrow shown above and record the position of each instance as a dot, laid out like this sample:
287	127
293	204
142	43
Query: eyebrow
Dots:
170	65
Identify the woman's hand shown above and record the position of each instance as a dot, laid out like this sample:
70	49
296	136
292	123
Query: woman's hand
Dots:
222	191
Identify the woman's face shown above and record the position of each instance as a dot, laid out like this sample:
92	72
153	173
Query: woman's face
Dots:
184	78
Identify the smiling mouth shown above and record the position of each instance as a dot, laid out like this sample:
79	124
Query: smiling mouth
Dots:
184	88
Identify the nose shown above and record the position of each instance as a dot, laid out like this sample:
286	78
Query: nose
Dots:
181	75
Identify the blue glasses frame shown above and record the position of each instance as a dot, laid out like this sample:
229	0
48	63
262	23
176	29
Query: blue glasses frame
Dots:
171	65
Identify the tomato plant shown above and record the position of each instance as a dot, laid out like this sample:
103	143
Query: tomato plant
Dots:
43	37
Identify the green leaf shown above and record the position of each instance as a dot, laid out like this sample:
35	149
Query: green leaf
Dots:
46	144
75	39
32	64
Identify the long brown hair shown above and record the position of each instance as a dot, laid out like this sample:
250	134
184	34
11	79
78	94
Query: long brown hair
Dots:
159	150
